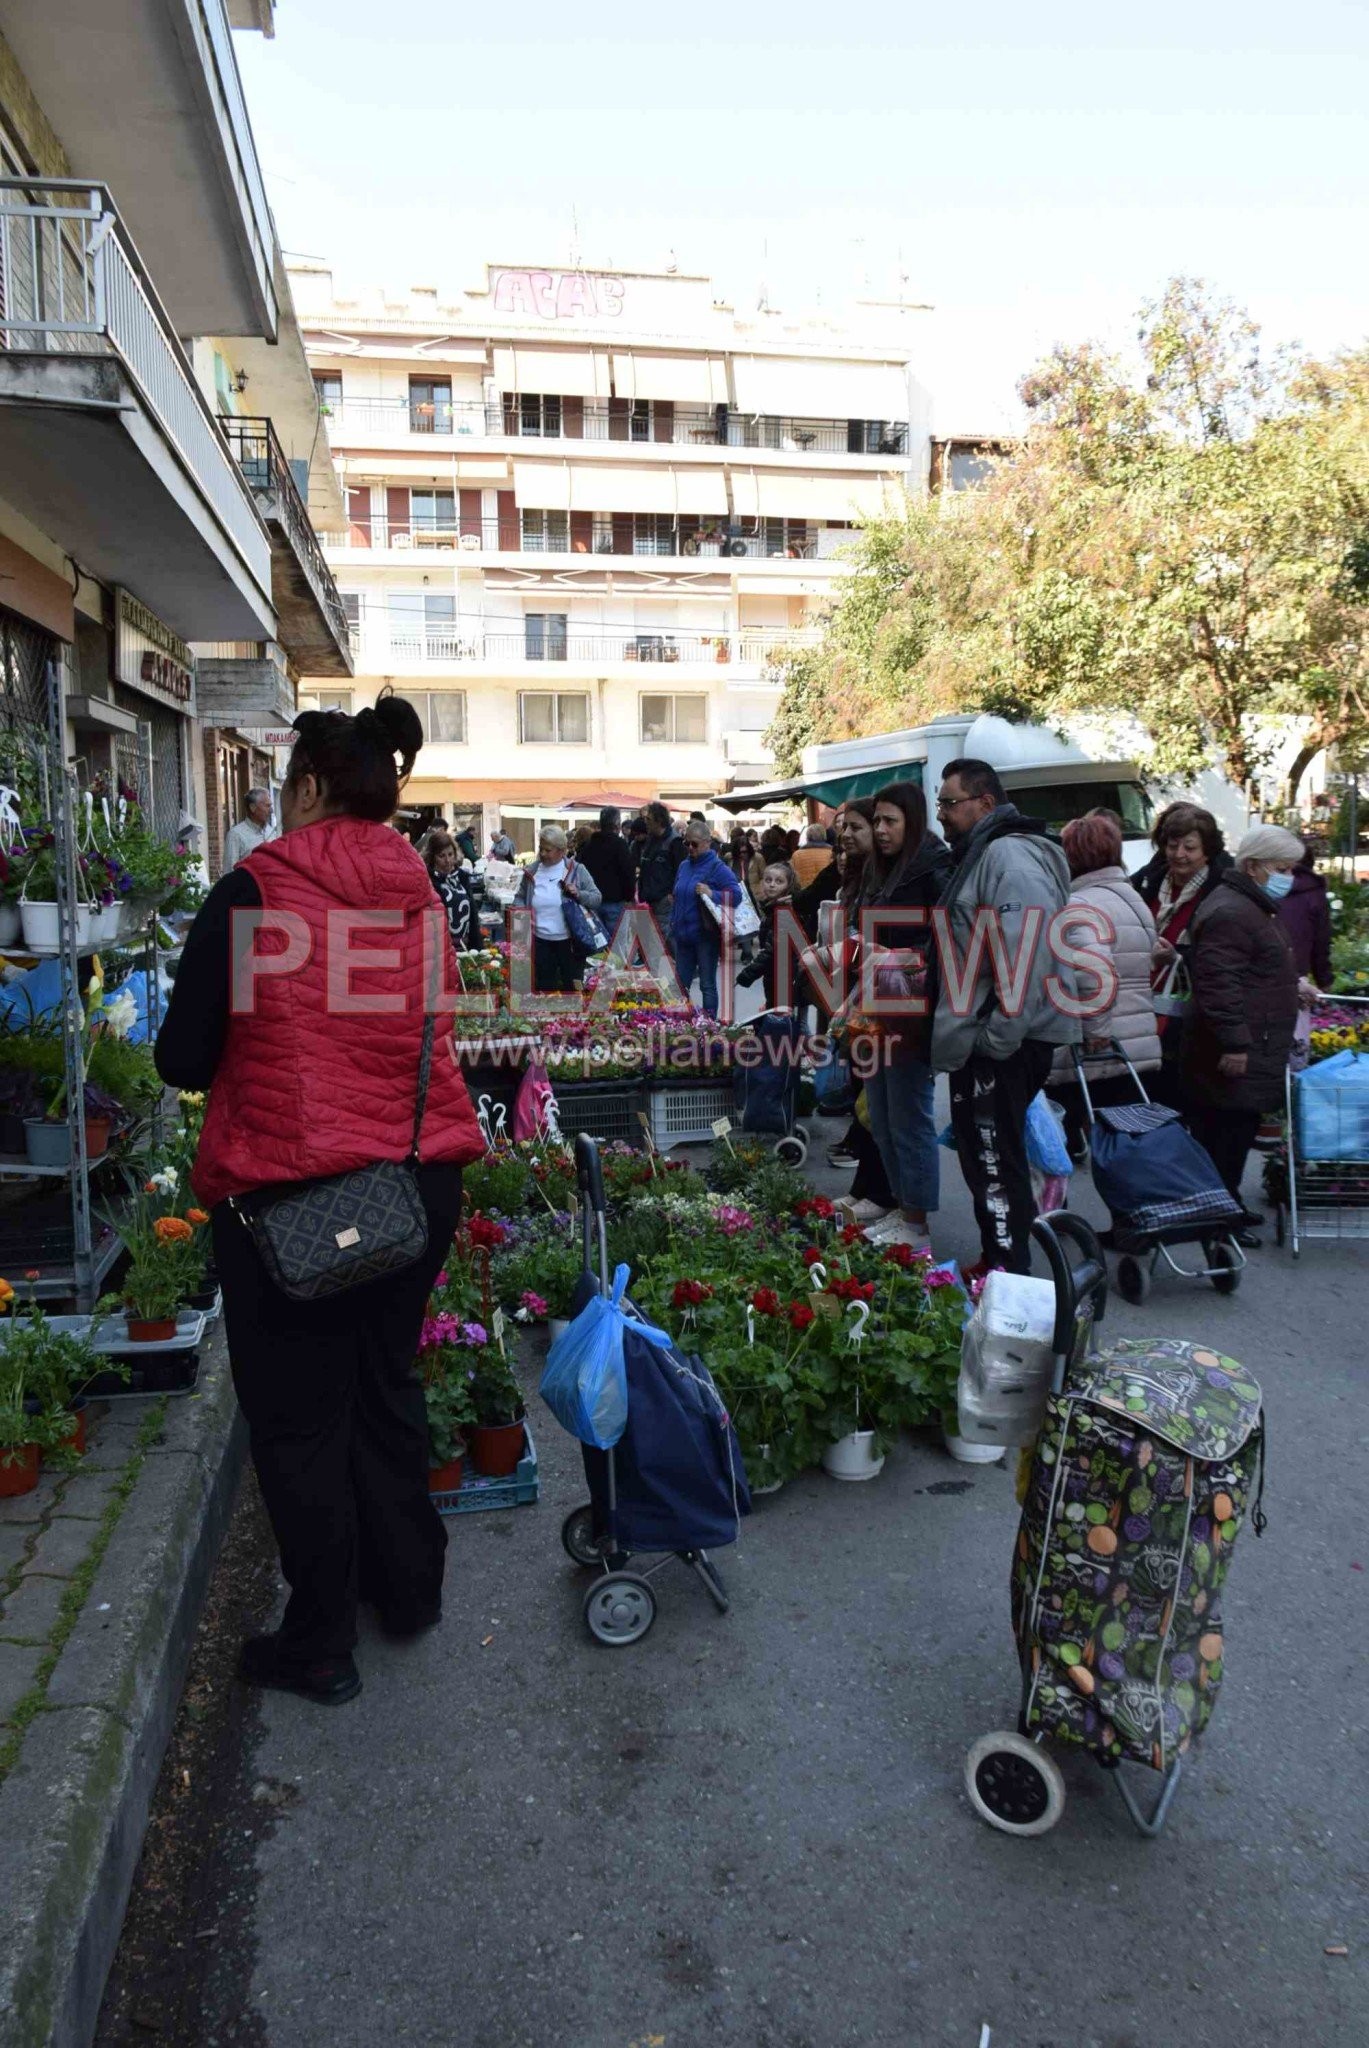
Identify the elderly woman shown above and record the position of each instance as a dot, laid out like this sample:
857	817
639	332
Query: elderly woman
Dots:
696	932
544	890
1099	882
1189	861
1240	1027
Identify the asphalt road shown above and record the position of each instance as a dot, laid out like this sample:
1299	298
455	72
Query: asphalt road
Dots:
751	1830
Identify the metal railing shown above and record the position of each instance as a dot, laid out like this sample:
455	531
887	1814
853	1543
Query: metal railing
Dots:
384	639
71	283
598	420
268	475
687	541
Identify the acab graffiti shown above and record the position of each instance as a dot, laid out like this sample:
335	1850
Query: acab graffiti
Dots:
558	294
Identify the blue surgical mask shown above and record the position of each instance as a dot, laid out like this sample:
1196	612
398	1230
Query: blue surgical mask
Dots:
1279	883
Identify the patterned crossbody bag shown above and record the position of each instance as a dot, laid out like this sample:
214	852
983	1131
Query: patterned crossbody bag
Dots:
321	1237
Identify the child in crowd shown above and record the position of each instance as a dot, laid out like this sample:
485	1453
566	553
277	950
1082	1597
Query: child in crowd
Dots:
778	885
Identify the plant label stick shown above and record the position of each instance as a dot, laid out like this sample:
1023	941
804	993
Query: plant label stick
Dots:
721	1126
499	1328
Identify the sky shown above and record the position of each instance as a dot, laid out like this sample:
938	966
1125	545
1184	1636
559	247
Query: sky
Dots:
1034	173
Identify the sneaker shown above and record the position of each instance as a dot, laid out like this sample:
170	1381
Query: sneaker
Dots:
864	1212
839	1156
899	1231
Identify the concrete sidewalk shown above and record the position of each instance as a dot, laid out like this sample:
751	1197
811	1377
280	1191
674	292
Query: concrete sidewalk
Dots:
750	1832
101	1577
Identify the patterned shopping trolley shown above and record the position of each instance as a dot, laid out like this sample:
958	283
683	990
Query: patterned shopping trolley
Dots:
1150	1461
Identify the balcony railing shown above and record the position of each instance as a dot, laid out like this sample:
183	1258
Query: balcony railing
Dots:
599	420
686	540
267	473
383	640
71	283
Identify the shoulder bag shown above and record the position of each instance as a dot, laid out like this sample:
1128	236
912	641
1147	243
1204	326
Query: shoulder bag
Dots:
321	1237
587	935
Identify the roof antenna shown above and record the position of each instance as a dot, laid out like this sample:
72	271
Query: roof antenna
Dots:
575	263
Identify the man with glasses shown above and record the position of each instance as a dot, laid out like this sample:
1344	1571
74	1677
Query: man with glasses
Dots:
994	1032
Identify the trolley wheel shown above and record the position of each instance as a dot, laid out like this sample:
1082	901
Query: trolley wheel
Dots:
1133	1280
1226	1274
793	1149
577	1536
619	1609
1280	1226
1014	1784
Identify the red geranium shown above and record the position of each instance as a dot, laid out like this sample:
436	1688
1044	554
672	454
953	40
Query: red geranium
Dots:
800	1315
483	1230
765	1301
851	1290
689	1293
815	1205
901	1255
852	1234
811	1256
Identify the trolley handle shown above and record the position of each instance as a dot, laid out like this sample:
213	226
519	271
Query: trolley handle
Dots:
1116	1051
1074	1279
589	1172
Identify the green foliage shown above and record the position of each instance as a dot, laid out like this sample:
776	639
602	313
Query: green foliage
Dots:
126	1071
1186	543
497	1185
451	1407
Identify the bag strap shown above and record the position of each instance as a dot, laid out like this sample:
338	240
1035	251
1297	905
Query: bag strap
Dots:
425	1068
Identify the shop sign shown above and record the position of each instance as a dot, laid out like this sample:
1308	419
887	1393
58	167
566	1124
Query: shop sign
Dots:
149	657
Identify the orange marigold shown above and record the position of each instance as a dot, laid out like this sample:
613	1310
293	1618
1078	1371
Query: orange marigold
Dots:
197	1216
173	1229
6	1295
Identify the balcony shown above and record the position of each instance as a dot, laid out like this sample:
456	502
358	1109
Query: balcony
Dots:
312	626
391	645
105	437
390	422
148	93
635	535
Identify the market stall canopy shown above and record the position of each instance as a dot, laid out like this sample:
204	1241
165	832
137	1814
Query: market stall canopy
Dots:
824	789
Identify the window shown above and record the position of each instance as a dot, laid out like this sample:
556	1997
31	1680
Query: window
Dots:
681	721
328	387
351	605
546	719
538	414
422	623
546	532
544	636
653	533
443	713
328	700
430	405
432	511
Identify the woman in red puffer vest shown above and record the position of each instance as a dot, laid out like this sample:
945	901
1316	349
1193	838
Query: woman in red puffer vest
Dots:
307	1028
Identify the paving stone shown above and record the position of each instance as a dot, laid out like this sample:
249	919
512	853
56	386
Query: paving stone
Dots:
35	1506
31	1609
87	1493
62	1548
18	1664
15	1538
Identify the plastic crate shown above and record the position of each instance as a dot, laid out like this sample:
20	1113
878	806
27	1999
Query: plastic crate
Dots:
686	1115
473	1495
604	1109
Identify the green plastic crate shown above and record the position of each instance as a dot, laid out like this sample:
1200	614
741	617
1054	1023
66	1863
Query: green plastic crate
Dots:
474	1495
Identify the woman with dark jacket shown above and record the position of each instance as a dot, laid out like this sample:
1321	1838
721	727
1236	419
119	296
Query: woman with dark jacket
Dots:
1306	916
1239	1031
1188	863
443	862
910	868
314	1070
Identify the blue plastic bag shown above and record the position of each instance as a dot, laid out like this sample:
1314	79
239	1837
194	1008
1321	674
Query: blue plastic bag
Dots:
1332	1108
585	1380
1045	1139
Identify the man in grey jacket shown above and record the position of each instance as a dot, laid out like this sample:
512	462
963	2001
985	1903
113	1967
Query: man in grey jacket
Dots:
998	983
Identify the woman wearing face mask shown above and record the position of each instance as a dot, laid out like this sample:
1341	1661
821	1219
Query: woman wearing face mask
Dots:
1240	1028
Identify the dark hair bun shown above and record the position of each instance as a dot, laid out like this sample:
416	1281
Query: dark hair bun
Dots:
400	727
354	759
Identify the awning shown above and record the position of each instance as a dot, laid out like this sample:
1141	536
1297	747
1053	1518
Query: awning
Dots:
701	490
808	388
542	485
573	372
690	380
596	487
831	789
766	494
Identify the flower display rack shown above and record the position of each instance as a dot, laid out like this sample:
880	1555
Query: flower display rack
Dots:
604	1109
475	1494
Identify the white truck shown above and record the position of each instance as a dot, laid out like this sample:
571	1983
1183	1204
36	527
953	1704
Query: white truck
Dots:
1045	776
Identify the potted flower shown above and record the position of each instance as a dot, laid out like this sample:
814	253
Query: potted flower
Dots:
166	1259
38	910
451	1417
55	1365
496	1437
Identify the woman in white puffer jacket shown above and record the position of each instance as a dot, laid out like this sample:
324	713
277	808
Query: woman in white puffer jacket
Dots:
1093	847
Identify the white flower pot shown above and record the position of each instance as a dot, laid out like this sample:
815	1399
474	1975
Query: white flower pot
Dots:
967	1453
11	924
853	1457
41	930
105	923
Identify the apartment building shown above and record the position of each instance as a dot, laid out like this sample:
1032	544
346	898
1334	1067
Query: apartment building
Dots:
159	448
585	510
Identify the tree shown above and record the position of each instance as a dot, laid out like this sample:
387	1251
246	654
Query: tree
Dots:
1187	541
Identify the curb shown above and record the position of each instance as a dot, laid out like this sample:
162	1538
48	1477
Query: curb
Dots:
74	1808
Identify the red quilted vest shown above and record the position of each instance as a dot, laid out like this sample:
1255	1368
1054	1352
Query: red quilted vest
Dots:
306	1087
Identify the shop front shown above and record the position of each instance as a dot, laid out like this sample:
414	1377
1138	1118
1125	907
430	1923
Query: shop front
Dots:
154	681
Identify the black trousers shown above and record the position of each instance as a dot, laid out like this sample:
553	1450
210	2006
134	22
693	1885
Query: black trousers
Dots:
339	1431
871	1182
553	966
1226	1135
989	1101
